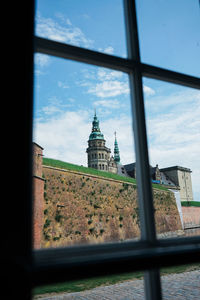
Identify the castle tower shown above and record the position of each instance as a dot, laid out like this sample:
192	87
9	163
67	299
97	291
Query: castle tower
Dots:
98	153
116	151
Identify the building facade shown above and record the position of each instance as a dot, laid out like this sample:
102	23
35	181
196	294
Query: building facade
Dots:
100	158
181	177
175	177
98	155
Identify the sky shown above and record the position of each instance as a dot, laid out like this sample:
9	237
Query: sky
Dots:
67	92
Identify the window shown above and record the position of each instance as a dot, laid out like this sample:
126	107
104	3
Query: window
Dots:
148	253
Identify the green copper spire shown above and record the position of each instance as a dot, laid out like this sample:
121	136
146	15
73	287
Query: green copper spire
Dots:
116	151
96	132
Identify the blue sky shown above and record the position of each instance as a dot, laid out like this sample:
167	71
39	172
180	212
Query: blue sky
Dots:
67	92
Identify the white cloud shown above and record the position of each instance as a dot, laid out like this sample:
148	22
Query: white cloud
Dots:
109	88
49	28
107	50
63	84
111	83
64	137
174	133
105	74
51	110
148	91
122	124
108	103
41	60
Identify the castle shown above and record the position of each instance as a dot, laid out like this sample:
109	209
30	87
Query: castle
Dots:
72	186
100	158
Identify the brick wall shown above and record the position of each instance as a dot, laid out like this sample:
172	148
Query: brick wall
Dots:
191	216
38	211
38	196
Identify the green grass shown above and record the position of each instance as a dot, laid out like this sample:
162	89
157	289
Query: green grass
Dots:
87	284
68	166
191	203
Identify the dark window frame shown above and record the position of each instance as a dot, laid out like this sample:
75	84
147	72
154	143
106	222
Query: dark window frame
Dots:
33	268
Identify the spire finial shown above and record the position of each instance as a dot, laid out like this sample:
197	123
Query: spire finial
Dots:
116	150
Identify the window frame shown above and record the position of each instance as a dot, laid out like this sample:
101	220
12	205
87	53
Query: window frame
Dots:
149	253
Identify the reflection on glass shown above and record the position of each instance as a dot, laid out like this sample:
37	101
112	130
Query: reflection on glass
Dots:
169	34
173	128
88	24
82	144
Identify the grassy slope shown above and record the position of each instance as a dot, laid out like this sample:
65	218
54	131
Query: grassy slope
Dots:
68	166
87	284
191	203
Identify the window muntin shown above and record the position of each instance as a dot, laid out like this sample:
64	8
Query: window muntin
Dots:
149	71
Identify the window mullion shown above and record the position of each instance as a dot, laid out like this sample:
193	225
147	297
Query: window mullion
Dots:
148	232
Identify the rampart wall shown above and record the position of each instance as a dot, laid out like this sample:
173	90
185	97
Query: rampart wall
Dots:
82	209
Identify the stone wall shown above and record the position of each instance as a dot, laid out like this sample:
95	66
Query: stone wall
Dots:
38	211
38	196
82	209
191	216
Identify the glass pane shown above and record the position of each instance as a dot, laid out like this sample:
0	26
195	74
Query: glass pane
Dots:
83	192
169	34
96	25
173	128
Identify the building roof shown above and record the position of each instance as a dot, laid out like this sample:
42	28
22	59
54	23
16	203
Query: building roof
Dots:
130	167
176	168
96	132
34	143
116	151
